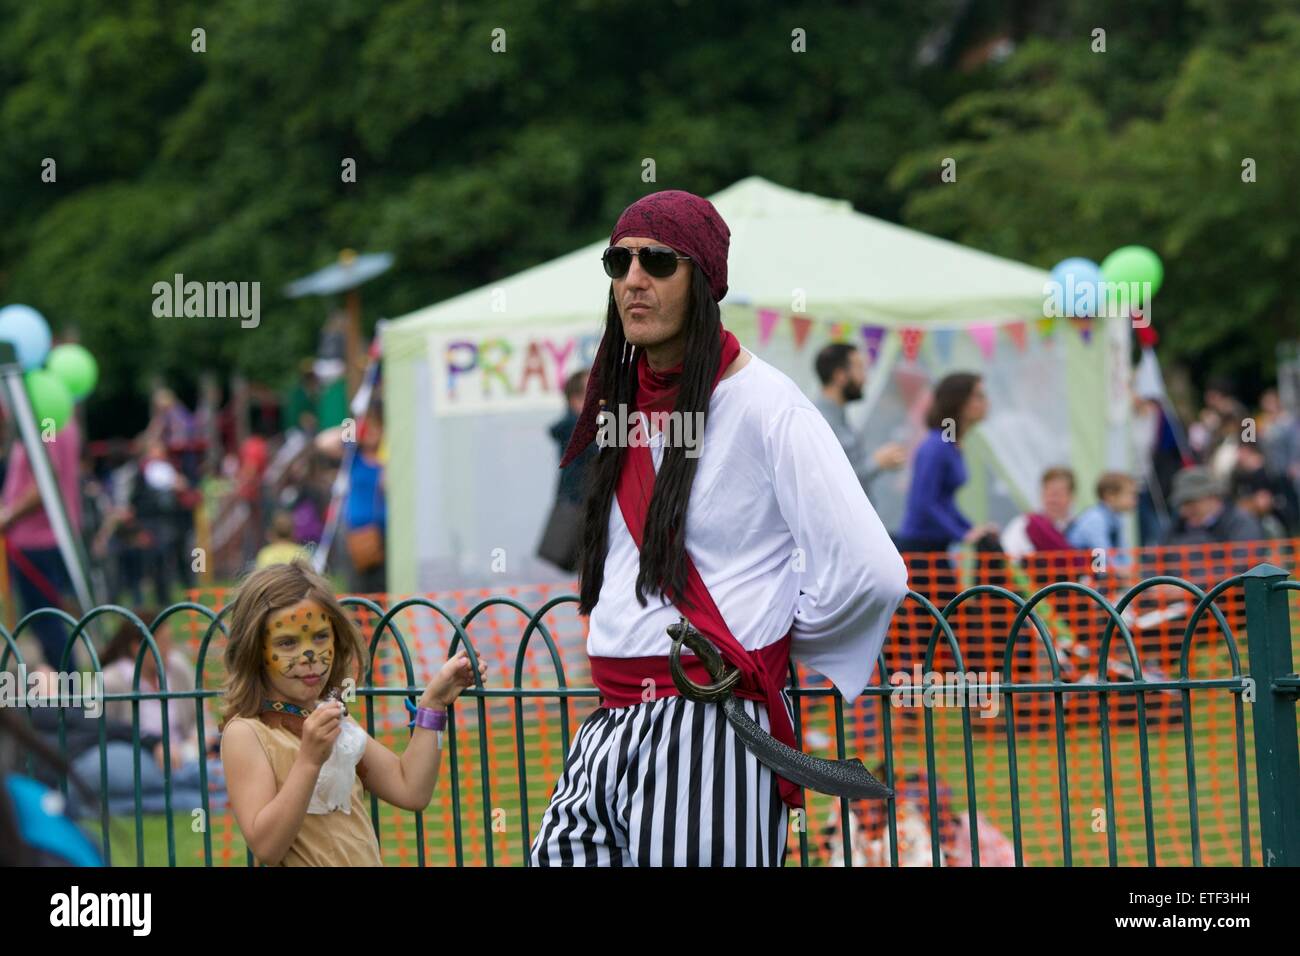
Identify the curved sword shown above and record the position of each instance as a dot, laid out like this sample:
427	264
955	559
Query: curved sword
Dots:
838	778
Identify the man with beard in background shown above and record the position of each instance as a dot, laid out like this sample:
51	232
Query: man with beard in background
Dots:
843	374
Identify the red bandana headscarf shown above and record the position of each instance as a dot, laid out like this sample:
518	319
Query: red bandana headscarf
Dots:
690	224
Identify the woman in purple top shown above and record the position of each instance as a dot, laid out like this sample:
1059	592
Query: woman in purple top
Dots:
931	521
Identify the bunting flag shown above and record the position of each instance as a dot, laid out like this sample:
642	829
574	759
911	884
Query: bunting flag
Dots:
942	339
1084	327
801	325
983	334
911	342
985	337
1016	330
872	336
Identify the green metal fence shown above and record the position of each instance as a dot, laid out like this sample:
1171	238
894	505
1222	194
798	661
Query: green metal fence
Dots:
488	804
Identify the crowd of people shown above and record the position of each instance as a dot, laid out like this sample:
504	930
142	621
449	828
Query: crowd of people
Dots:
189	497
1235	477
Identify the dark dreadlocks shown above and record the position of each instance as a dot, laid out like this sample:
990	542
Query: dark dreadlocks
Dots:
663	551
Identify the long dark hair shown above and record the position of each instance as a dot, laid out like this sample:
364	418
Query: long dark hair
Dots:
950	397
663	550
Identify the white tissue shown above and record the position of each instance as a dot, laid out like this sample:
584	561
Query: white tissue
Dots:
334	785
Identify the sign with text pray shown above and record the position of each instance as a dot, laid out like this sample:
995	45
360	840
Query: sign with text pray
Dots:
502	369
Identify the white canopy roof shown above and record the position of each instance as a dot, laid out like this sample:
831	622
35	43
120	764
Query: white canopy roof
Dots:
850	266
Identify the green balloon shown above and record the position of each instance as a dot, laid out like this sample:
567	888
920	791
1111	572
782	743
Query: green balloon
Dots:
1133	264
75	367
50	398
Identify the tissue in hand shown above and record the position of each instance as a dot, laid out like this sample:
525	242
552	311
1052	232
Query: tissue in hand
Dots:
334	785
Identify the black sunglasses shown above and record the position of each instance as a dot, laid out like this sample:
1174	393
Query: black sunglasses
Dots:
658	261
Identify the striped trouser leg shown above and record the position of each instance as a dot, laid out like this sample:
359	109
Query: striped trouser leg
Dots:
578	828
665	783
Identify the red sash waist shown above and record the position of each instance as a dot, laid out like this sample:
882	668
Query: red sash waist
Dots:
627	681
622	681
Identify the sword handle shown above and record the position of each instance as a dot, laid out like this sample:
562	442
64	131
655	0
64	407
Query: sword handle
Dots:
725	679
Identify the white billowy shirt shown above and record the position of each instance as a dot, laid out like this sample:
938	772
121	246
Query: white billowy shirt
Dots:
781	532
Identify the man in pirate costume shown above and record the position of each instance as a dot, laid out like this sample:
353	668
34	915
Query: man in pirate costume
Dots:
760	536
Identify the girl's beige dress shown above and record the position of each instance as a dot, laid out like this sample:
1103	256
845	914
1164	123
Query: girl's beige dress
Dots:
326	839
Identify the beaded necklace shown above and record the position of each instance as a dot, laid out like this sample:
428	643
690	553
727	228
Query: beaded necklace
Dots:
284	707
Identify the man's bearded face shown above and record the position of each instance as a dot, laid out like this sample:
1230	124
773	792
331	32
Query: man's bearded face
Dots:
856	378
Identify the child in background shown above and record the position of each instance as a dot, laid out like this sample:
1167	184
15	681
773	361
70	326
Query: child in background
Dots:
1100	528
284	547
291	645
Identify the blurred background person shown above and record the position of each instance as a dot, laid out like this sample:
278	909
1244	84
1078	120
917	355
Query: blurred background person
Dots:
842	371
559	544
1255	495
932	523
1204	517
365	510
1043	530
283	546
1101	526
157	521
931	519
36	567
1252	471
172	424
118	662
305	496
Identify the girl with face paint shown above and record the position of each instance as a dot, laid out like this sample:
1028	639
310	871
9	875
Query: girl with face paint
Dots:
291	650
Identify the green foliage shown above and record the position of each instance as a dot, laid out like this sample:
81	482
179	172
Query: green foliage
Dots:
225	165
1068	155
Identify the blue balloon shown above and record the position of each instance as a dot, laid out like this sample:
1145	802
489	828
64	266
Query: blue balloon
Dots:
1074	287
29	333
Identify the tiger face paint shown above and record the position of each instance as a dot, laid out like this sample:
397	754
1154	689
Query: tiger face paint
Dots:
298	650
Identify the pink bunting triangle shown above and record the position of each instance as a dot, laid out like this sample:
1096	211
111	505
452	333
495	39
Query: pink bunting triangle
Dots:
985	337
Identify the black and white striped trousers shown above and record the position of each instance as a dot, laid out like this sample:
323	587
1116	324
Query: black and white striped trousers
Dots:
665	783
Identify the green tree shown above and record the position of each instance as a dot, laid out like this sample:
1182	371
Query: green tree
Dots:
1075	152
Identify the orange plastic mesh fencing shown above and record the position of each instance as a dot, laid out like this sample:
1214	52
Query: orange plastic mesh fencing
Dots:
1035	771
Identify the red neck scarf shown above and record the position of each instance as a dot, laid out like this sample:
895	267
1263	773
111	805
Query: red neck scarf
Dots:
656	391
762	674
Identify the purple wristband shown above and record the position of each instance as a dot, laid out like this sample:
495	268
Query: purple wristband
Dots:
431	719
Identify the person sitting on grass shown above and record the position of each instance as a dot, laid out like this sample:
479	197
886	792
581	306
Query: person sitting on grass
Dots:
181	760
294	761
1044	530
